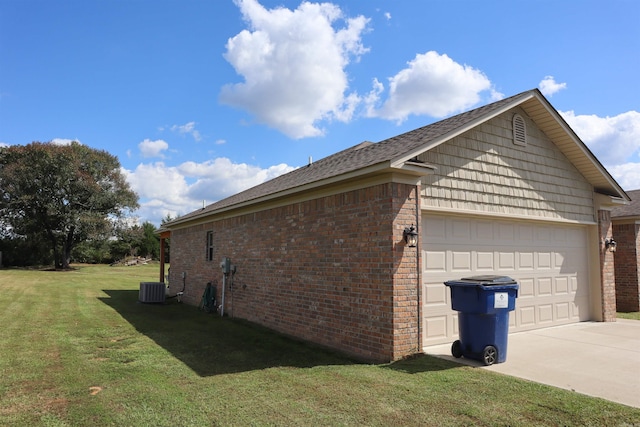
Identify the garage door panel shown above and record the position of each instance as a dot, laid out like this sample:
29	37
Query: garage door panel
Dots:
545	286
460	261
485	261
506	232
526	316
436	294
562	311
525	260
436	328
560	259
561	286
544	261
545	314
525	234
507	261
460	230
435	261
548	260
527	288
435	229
484	231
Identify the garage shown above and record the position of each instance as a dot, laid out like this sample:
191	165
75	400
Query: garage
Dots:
549	260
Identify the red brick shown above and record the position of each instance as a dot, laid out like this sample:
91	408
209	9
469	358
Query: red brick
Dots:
333	270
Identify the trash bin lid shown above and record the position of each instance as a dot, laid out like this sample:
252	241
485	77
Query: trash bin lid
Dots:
488	280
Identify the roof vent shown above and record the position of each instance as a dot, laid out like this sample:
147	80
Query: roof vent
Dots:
519	130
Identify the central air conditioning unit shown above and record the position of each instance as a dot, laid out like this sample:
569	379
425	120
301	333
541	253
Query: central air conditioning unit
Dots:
151	292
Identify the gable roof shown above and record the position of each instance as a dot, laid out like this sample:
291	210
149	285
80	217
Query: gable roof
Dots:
632	210
396	153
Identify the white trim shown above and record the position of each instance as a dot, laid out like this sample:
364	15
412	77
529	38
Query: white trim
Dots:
467	212
258	205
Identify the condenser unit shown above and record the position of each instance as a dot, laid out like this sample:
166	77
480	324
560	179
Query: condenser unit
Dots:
151	292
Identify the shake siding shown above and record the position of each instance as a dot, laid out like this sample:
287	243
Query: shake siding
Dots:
483	170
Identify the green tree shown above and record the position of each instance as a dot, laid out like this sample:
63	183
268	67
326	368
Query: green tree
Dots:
126	240
167	242
67	193
149	243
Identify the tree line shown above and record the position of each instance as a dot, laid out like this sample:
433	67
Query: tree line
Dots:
68	203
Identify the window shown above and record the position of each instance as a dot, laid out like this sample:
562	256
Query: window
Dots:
209	245
519	130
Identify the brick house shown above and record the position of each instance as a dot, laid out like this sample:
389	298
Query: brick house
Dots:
626	232
320	252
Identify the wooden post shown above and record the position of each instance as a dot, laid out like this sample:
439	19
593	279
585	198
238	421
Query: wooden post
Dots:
164	235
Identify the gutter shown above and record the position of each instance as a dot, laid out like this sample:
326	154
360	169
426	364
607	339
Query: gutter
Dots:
411	168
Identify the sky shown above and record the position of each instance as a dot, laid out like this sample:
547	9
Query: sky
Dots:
200	99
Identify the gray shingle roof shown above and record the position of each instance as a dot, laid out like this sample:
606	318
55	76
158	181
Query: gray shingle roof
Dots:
630	210
393	151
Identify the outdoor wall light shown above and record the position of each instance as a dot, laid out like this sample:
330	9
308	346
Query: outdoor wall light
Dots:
610	244
410	236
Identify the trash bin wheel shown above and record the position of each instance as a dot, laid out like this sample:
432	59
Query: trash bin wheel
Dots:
456	349
489	355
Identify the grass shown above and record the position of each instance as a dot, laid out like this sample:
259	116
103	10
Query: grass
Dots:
634	315
77	349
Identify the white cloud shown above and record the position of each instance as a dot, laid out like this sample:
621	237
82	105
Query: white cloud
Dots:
150	148
187	129
220	178
627	175
177	190
3	144
387	15
614	140
548	86
293	64
432	85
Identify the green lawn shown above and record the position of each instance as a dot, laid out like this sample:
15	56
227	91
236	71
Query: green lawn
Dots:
635	315
78	350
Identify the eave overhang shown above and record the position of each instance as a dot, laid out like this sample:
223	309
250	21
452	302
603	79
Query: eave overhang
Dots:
408	169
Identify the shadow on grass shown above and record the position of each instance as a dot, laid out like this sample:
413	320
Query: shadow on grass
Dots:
211	345
421	363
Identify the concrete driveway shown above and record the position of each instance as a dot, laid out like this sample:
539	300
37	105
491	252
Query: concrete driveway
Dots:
593	358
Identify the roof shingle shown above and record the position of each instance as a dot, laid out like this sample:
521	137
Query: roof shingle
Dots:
630	210
357	157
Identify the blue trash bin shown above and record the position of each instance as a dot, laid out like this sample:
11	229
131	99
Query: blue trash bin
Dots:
483	304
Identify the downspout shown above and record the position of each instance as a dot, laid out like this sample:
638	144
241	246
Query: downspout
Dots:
224	285
161	259
418	264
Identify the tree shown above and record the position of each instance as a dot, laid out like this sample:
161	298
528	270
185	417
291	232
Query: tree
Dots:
167	241
66	193
149	244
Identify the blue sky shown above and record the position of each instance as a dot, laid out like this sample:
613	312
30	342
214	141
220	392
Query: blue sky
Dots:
201	99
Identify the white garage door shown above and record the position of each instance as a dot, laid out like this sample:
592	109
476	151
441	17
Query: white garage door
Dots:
549	261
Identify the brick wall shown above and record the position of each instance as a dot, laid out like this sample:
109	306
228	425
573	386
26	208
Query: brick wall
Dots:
407	298
332	270
627	262
607	268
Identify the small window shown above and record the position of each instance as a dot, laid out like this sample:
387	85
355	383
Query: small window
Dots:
519	130
209	245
